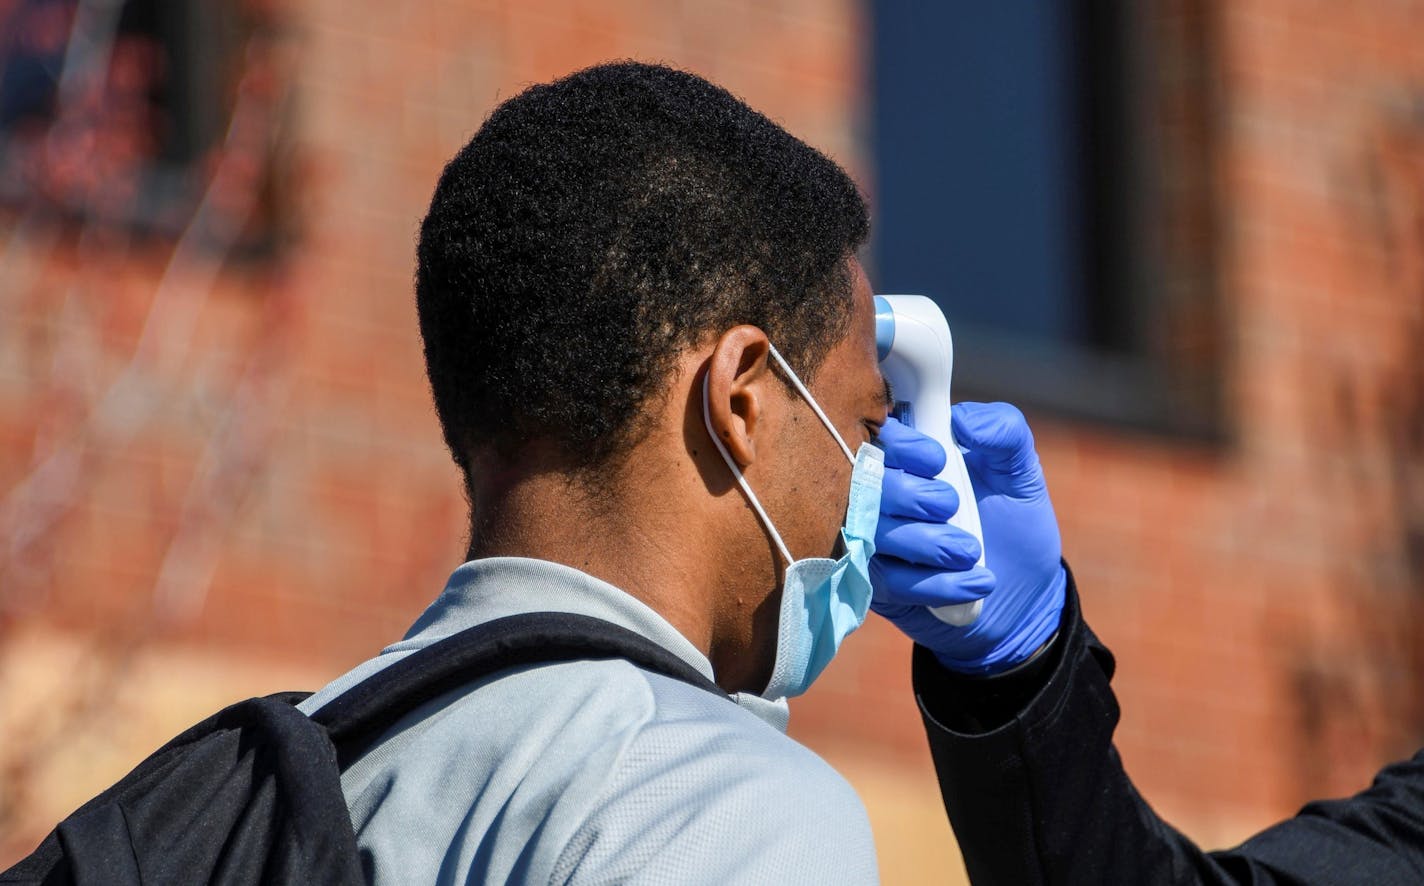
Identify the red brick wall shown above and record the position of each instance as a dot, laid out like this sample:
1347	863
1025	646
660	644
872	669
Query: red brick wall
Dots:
281	465
338	504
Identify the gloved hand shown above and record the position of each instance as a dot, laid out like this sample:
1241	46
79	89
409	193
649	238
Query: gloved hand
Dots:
920	561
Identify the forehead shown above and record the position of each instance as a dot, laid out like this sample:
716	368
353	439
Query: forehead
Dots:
862	330
851	370
860	284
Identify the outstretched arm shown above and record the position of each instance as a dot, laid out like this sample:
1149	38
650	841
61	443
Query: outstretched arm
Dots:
1037	794
1020	712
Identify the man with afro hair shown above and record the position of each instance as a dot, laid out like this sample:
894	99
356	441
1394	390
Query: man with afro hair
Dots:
607	251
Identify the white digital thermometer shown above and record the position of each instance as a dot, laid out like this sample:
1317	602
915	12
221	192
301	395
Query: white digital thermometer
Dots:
917	358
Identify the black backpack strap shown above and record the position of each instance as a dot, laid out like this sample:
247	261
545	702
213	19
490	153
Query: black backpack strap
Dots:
250	795
253	793
359	716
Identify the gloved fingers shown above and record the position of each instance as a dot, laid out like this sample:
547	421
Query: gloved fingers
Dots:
909	450
929	544
903	494
897	584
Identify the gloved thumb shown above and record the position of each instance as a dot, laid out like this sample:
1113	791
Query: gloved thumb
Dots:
999	442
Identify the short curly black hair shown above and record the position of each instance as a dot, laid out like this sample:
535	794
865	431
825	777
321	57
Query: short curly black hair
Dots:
596	226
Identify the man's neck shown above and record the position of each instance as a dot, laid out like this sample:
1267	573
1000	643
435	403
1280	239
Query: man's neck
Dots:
639	544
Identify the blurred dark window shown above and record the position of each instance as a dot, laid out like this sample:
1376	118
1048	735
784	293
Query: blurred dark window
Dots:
121	112
1042	170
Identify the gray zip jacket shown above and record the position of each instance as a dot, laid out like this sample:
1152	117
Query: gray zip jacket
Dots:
592	771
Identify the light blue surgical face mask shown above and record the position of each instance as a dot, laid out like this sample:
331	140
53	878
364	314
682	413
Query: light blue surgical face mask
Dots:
822	600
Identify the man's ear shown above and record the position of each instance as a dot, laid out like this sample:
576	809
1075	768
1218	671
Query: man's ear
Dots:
737	384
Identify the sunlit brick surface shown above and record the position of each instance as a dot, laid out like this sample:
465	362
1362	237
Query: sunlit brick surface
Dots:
271	493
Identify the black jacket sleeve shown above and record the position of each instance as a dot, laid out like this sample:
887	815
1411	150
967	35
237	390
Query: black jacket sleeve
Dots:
1036	792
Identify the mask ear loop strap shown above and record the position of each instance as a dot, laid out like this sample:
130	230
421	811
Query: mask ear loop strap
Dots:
811	401
741	481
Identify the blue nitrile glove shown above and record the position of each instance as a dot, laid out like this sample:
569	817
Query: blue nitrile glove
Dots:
920	560
932	567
